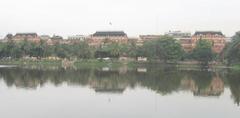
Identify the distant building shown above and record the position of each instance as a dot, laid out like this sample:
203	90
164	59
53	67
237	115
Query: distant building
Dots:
143	38
178	34
45	37
26	36
183	37
228	39
55	39
186	44
103	37
217	39
149	37
77	37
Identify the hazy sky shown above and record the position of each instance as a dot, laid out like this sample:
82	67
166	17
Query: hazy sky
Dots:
69	17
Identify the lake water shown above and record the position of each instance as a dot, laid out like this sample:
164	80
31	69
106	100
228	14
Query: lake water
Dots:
122	93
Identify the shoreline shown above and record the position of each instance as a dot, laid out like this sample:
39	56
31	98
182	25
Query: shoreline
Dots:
94	63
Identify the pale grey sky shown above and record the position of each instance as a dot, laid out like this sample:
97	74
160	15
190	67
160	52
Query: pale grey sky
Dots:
69	17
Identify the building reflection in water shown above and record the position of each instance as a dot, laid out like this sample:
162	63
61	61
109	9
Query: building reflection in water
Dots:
161	80
142	70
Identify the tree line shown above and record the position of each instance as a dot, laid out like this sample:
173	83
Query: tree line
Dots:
232	50
165	49
16	50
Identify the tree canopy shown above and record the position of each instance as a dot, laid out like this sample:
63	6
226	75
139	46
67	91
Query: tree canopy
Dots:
232	50
40	50
166	48
203	51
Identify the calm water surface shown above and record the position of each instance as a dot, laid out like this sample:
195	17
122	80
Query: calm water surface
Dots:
105	93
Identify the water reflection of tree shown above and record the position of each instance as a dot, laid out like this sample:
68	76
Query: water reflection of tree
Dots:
234	83
208	84
162	80
111	81
27	78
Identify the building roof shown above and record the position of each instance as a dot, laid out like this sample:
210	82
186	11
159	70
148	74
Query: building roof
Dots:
109	33
44	36
26	33
208	32
178	34
55	37
149	37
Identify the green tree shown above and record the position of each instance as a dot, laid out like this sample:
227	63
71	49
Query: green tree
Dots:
232	50
26	46
61	50
203	51
166	49
82	50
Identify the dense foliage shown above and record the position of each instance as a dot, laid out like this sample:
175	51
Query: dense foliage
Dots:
115	50
232	50
203	51
166	48
29	49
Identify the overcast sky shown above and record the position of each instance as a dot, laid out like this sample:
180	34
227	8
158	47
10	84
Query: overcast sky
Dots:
69	17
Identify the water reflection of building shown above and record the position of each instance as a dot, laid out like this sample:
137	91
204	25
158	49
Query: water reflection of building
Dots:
107	86
116	81
26	83
188	84
123	69
216	88
105	69
142	70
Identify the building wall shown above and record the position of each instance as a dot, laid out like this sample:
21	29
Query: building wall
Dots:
186	44
178	34
29	37
77	37
98	40
144	38
218	41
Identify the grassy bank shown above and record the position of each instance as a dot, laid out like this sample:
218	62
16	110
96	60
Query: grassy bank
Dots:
236	67
21	62
90	63
94	63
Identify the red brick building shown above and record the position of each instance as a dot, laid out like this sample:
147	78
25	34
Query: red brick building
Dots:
26	36
103	37
187	44
143	38
217	39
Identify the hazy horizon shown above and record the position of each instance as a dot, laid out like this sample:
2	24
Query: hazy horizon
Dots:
135	17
